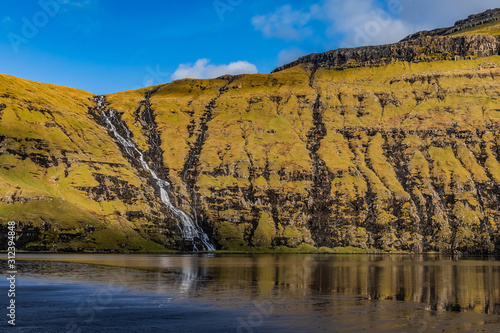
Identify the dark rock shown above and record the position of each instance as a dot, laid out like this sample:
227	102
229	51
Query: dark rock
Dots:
424	49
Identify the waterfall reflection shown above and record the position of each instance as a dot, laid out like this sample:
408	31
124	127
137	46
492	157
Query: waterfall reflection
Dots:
441	283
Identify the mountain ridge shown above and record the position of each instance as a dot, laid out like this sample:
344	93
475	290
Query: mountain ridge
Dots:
489	16
424	46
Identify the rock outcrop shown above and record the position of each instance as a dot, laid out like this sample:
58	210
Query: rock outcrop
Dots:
423	46
65	181
424	49
473	21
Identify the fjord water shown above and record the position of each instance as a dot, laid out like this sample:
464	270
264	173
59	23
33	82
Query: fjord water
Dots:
257	293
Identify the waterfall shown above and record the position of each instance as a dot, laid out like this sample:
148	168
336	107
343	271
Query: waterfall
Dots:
189	229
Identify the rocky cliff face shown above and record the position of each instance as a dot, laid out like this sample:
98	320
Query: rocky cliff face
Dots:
65	181
424	49
488	17
373	148
441	44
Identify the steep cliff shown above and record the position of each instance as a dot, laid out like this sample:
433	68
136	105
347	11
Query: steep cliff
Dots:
487	22
425	49
65	180
393	147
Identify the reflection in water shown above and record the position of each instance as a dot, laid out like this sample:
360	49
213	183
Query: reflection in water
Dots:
441	283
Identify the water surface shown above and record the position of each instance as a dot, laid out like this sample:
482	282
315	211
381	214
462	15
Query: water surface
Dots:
258	293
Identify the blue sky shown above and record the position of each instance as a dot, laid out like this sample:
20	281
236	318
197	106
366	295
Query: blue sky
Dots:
105	46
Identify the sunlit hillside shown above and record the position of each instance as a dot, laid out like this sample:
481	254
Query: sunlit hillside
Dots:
394	149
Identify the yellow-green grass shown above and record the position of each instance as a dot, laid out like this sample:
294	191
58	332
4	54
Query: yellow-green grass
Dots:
403	95
44	123
492	28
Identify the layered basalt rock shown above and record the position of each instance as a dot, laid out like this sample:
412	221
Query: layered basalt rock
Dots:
475	20
63	179
423	49
424	46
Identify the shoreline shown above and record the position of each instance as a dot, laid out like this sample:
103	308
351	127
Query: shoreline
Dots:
368	252
192	297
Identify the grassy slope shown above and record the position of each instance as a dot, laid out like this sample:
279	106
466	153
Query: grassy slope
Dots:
50	150
248	132
492	28
406	172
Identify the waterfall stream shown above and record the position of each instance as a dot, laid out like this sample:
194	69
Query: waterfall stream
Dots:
189	229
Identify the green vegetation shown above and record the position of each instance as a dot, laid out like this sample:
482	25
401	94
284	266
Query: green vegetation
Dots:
63	176
492	28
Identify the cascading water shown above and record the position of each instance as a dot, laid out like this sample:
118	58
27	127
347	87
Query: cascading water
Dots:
189	229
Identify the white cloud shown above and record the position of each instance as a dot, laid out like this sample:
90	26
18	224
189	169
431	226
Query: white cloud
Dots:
442	13
285	23
6	21
82	16
358	22
363	22
371	24
85	5
202	69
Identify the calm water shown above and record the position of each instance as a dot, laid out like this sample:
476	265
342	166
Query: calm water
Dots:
256	293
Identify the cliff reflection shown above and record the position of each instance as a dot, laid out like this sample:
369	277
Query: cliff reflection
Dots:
441	283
